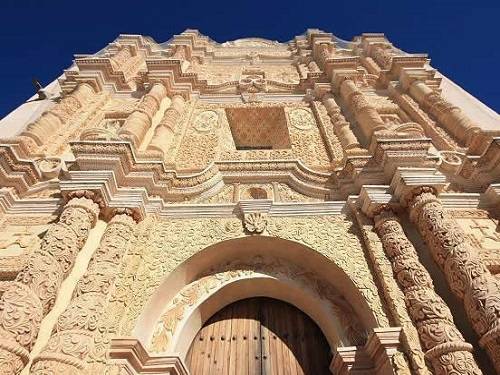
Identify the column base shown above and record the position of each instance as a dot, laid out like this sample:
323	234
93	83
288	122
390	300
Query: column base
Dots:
131	355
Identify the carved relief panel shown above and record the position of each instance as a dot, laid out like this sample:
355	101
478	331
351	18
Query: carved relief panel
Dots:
483	232
257	131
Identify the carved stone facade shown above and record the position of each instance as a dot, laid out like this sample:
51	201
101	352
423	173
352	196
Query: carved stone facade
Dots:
159	183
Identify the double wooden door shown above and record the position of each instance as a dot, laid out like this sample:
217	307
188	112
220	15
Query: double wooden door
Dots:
259	336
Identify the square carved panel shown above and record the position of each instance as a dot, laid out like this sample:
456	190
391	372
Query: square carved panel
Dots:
259	128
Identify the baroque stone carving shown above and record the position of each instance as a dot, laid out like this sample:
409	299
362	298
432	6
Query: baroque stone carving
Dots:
445	347
34	291
208	282
467	276
72	339
206	121
255	222
301	118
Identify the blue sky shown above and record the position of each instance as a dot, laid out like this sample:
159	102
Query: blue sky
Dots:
39	38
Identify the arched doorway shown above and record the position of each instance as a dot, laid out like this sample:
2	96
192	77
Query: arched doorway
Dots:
259	336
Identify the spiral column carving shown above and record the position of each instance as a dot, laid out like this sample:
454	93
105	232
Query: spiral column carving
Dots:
446	349
366	115
454	120
32	295
141	119
73	336
165	130
467	276
52	120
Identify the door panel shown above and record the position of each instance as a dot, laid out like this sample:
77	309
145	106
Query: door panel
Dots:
259	336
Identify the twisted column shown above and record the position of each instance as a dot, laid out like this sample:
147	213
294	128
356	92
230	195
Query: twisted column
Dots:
467	276
31	296
141	119
341	126
72	338
165	130
445	347
52	120
457	123
366	115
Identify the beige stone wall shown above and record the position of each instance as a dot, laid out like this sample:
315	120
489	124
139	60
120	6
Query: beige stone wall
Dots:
156	183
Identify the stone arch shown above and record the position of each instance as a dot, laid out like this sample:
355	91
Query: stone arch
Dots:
235	257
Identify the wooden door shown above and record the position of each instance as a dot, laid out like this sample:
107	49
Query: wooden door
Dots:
259	336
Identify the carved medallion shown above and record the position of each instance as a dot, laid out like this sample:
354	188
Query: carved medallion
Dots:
206	121
301	119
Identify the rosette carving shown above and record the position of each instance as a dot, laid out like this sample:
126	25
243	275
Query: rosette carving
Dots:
445	347
73	337
32	295
467	276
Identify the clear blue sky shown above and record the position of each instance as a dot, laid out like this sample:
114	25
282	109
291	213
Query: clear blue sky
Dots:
39	38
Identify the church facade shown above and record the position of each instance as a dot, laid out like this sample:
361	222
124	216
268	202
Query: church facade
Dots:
250	207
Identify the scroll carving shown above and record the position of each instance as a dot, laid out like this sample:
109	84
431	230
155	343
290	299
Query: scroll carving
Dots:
72	338
445	347
467	276
34	291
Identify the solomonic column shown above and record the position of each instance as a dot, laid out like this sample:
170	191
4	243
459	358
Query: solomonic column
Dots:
467	276
341	126
73	335
51	121
32	295
446	349
165	130
454	120
141	119
366	115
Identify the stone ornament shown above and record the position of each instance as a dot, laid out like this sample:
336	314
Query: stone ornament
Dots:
445	346
72	338
467	276
34	291
187	129
206	121
255	222
302	119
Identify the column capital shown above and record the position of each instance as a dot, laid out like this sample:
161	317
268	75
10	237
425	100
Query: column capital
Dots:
135	214
339	76
407	180
373	199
